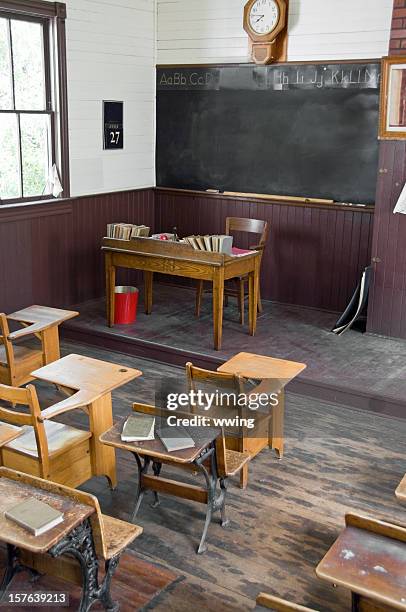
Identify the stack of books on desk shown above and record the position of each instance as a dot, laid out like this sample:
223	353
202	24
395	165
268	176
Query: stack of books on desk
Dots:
213	244
126	231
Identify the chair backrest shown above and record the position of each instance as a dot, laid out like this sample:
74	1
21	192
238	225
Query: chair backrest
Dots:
26	397
79	496
198	377
4	334
220	441
252	226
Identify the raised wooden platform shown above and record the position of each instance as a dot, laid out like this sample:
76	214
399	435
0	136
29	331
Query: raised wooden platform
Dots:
355	369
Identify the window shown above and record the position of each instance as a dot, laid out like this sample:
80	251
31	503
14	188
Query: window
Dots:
33	128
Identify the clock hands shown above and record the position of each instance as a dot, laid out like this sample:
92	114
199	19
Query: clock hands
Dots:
260	17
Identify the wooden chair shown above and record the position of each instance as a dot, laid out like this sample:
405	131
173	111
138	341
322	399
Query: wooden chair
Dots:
111	536
244	440
280	605
47	449
16	361
240	224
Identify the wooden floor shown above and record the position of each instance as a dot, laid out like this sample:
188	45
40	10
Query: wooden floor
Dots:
362	370
336	460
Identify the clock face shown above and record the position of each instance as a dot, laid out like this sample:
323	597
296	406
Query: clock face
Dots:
264	16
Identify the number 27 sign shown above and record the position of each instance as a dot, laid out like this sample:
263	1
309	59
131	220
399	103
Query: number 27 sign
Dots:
113	125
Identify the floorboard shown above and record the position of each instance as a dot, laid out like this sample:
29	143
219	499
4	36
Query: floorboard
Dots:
337	460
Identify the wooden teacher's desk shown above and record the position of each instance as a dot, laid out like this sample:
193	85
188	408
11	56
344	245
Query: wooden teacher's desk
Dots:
90	381
181	260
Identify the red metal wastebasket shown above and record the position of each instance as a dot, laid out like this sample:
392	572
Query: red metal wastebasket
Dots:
125	305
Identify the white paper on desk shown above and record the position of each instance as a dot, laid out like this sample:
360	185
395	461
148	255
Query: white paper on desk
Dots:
401	203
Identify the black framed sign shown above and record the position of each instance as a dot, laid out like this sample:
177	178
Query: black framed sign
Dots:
113	124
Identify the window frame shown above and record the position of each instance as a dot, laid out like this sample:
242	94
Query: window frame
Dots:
52	16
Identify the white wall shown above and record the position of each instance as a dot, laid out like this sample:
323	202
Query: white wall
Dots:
111	56
206	31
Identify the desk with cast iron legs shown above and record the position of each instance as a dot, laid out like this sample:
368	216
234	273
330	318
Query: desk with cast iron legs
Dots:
201	458
178	259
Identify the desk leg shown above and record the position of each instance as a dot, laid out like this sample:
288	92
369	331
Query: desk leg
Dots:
276	441
148	285
50	344
110	288
103	457
218	298
253	285
79	544
142	469
214	502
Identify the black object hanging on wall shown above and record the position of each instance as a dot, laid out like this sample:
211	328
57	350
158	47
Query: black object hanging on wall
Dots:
113	125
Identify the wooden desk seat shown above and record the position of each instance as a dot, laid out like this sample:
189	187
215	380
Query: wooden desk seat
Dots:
30	356
47	449
16	361
235	461
117	535
59	437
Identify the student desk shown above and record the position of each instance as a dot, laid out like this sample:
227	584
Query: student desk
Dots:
44	322
369	559
153	451
75	529
274	375
179	259
90	381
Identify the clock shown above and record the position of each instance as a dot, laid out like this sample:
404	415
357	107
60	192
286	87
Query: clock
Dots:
265	22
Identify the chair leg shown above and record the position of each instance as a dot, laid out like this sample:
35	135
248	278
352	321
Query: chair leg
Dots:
199	294
244	477
241	299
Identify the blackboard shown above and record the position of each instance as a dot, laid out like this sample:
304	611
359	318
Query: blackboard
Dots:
300	130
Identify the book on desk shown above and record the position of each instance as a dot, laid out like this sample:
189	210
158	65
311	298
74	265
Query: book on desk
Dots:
35	516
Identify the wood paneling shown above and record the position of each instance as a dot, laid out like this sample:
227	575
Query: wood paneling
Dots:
315	254
50	253
387	312
387	306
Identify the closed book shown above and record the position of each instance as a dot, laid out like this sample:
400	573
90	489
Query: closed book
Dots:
138	428
175	438
226	244
35	516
